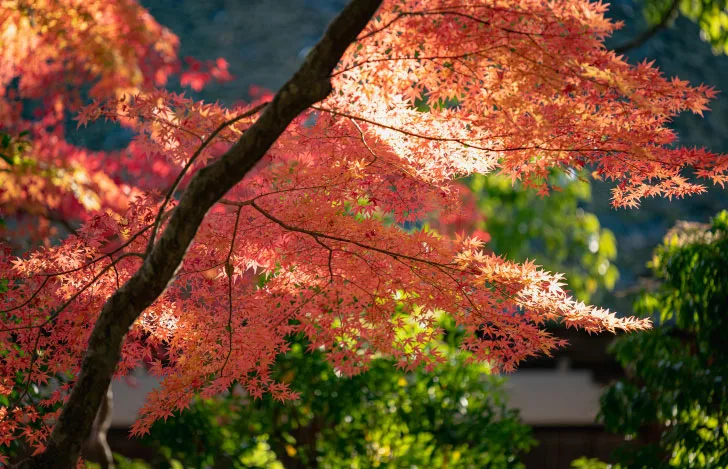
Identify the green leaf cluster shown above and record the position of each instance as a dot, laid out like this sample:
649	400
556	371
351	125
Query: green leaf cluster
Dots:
13	147
554	230
454	416
591	463
710	15
675	395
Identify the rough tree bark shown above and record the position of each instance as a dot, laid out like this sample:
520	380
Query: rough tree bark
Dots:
96	448
310	84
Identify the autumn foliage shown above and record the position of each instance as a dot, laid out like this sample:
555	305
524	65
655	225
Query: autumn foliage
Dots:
312	241
54	57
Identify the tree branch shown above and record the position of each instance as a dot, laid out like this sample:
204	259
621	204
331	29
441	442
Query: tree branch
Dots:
310	84
316	235
646	35
198	152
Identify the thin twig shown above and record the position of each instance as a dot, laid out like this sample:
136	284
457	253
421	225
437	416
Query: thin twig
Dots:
229	272
189	164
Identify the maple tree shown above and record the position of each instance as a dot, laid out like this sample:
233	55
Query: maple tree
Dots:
308	189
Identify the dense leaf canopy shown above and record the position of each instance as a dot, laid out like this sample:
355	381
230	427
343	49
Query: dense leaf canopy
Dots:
677	385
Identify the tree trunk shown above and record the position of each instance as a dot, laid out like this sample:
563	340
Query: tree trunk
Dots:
96	449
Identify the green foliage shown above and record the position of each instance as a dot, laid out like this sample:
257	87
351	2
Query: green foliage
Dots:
122	462
677	383
211	433
554	230
454	416
12	148
586	463
710	15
